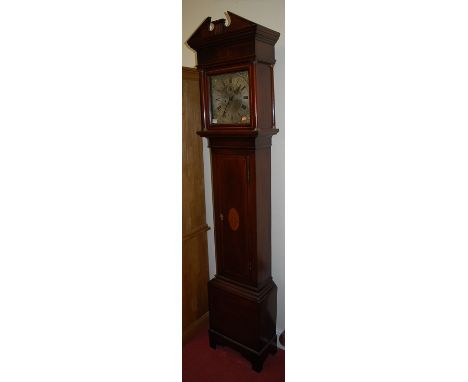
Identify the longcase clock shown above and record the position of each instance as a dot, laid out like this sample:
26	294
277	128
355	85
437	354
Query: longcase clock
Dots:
235	64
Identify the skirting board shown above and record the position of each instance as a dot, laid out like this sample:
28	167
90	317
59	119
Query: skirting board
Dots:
192	329
278	333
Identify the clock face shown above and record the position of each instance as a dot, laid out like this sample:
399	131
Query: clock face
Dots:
229	94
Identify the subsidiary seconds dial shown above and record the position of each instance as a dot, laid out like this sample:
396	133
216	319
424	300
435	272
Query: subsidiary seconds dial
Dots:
229	94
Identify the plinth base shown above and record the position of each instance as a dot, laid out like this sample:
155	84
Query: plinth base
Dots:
256	358
243	318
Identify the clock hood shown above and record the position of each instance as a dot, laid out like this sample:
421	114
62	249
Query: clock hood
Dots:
251	41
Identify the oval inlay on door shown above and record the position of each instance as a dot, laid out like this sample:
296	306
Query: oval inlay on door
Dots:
233	219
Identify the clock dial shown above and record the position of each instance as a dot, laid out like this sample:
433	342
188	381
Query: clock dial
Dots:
230	98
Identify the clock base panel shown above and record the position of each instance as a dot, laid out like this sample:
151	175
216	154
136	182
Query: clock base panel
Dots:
243	318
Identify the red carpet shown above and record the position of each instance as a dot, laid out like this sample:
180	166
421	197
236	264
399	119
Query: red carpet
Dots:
200	363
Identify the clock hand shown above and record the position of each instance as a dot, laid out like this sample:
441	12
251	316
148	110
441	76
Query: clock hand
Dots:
226	105
225	108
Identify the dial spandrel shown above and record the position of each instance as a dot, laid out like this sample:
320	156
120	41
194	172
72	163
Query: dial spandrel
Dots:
230	98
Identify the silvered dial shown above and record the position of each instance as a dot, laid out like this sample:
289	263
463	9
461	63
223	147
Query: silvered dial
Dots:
230	98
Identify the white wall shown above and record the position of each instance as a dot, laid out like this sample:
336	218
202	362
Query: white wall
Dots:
269	13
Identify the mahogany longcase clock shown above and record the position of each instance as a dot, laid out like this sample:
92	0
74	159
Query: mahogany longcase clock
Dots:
235	64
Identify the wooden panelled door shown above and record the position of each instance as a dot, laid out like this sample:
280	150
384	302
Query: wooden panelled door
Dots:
194	228
231	180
